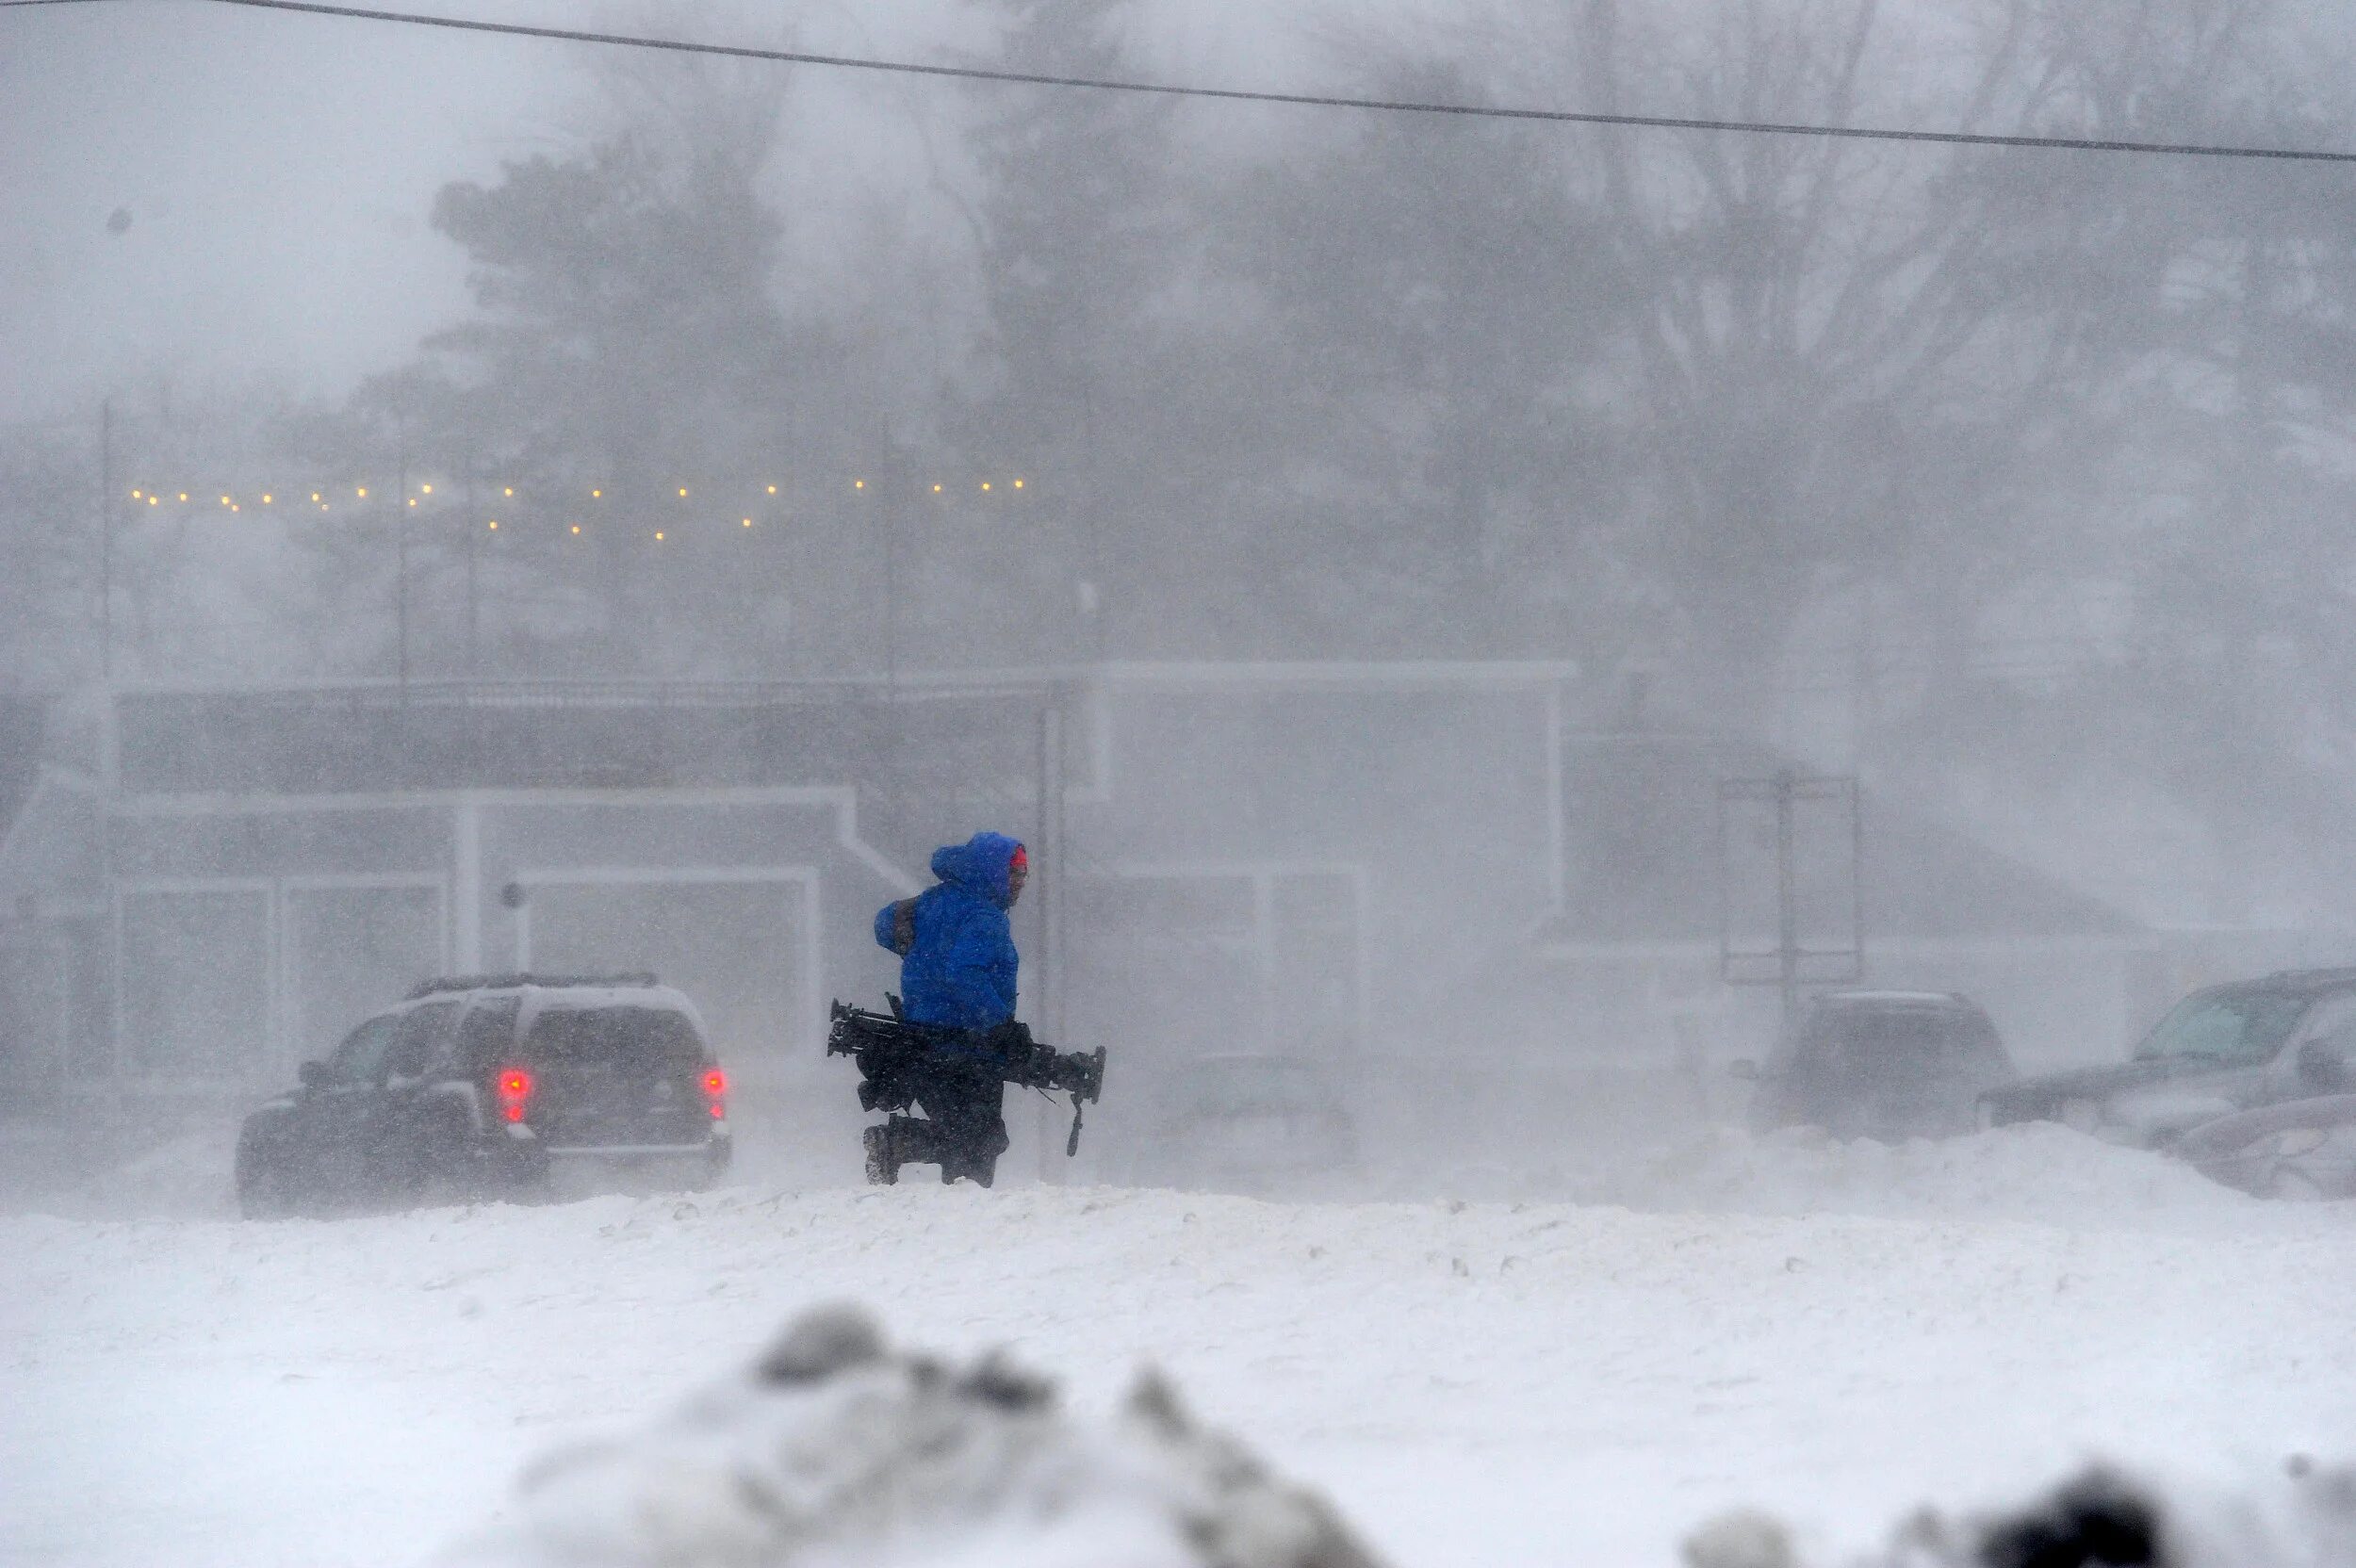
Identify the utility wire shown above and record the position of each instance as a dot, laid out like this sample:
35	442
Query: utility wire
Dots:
1304	100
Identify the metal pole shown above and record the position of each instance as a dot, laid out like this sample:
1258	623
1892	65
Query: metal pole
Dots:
1047	835
107	540
1726	892
889	481
1092	497
473	631
1786	913
1856	875
400	567
1055	845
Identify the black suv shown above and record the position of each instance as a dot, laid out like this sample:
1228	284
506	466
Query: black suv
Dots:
1882	1065
473	1086
2218	1052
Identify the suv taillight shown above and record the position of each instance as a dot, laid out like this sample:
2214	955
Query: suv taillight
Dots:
513	1086
716	1092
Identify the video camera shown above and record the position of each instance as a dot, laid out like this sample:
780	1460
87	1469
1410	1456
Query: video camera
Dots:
891	1051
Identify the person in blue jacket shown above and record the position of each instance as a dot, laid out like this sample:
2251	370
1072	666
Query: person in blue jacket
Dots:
957	969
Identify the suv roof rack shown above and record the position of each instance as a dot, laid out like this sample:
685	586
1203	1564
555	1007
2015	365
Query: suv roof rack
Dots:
2320	976
497	982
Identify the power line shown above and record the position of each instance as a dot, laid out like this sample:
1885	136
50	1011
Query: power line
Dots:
1303	99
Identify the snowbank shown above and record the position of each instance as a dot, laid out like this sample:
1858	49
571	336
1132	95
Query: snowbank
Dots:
2038	1173
2302	1518
835	1448
59	1170
1531	1384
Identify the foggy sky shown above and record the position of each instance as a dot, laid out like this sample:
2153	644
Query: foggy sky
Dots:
278	169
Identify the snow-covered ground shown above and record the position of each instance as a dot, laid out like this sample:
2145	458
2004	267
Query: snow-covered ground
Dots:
1834	1332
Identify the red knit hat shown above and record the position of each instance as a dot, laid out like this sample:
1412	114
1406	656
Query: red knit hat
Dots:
1020	860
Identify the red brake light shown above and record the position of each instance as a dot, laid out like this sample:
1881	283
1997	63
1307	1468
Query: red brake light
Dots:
716	1088
514	1088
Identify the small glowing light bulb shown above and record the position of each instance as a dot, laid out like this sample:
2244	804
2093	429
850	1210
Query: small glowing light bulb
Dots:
597	494
772	489
151	501
657	537
984	484
682	491
509	492
859	484
184	495
749	522
135	495
265	501
364	493
425	489
495	523
1018	484
935	489
576	527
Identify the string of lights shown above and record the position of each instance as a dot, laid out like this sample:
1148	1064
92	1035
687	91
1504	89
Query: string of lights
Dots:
568	505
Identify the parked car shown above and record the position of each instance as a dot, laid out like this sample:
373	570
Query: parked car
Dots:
2298	1149
479	1085
1882	1065
2218	1053
1246	1119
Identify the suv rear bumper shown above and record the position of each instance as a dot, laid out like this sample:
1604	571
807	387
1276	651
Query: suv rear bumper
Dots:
708	1150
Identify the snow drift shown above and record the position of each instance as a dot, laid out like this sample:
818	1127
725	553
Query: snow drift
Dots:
1524	1382
834	1448
2305	1518
2037	1173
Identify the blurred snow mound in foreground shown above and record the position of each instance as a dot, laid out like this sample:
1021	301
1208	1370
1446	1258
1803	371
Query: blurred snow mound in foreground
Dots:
837	1451
2040	1172
2304	1518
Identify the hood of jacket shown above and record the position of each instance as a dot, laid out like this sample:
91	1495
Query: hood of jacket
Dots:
980	865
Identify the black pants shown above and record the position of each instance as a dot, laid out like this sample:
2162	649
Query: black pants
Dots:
964	1126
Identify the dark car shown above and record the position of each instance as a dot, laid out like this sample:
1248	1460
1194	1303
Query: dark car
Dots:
1244	1120
478	1086
1882	1065
2221	1050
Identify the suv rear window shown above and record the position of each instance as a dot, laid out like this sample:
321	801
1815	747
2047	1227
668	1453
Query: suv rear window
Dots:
640	1037
1896	1045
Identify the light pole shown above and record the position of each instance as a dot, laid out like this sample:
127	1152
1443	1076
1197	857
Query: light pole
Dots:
401	567
473	616
107	540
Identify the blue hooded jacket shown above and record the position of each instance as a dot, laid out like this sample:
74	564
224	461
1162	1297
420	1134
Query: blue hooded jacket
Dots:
956	952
